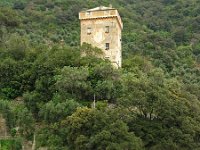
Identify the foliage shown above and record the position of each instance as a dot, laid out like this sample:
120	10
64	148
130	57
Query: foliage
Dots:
93	129
152	102
10	145
18	116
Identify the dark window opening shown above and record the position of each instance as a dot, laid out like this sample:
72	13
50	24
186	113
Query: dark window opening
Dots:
88	12
89	30
107	29
107	57
107	46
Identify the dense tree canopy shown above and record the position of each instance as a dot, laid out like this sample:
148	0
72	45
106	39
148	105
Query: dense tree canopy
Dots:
82	103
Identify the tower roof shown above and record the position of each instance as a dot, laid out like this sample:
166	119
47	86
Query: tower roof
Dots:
99	13
100	8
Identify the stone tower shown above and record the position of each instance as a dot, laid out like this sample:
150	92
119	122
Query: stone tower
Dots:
102	27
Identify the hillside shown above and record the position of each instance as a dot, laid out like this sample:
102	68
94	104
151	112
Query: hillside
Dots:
47	89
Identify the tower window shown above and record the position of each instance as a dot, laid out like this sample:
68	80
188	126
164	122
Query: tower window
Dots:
107	46
107	57
88	13
107	29
89	30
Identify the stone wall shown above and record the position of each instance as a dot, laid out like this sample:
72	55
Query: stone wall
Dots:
96	22
3	128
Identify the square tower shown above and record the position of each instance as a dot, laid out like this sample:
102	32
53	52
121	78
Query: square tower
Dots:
102	27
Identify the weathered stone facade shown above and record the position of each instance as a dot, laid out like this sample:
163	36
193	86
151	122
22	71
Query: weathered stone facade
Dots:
102	27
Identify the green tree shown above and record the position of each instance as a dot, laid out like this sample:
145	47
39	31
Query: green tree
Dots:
73	81
54	111
93	129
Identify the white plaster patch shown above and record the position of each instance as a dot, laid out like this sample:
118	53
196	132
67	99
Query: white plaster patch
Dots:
98	36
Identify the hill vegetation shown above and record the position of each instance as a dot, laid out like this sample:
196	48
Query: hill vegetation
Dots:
47	89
